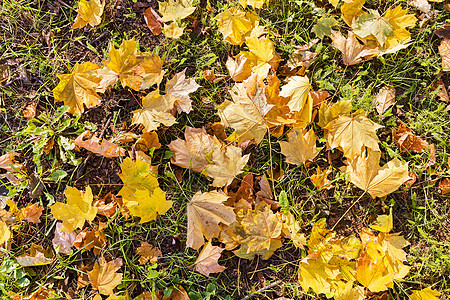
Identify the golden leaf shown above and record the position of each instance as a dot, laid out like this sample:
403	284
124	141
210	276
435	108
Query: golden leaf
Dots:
236	25
208	260
173	30
89	12
148	253
384	223
76	211
78	88
104	277
366	173
352	134
425	294
261	55
291	228
205	211
399	21
297	89
239	69
140	192
300	147
328	114
351	9
152	72
174	9
253	3
5	233
320	179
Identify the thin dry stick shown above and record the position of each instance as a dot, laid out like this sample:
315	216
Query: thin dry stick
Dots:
273	284
354	203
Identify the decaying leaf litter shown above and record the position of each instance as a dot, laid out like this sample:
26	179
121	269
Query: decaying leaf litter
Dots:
273	104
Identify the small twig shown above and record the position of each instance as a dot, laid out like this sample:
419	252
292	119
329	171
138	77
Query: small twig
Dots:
351	206
99	37
267	287
106	125
66	5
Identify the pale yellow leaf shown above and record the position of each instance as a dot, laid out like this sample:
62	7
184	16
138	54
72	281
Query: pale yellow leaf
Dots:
444	51
300	147
173	30
384	99
297	89
352	51
175	9
208	260
384	223
178	89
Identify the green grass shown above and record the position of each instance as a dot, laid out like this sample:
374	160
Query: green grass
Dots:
420	212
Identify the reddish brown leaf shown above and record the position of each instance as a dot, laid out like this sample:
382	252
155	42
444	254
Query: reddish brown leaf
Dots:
32	212
406	140
444	186
90	239
102	147
30	111
153	21
148	253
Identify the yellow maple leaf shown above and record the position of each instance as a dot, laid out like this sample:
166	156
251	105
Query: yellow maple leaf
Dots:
245	114
175	9
251	236
178	89
425	294
239	69
253	3
352	134
320	179
125	64
399	20
328	114
291	228
208	260
300	147
191	152
140	191
89	12
205	211
297	89
5	233
366	173
225	165
155	111
352	51
373	274
104	277
78	88
351	9
261	55
76	211
236	25
152	72
384	223
173	30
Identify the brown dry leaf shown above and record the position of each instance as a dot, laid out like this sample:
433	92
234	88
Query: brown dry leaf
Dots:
42	293
442	93
109	205
63	241
177	294
98	146
444	51
205	211
444	186
8	163
147	141
320	179
78	88
406	140
208	260
191	152
153	20
384	99
49	146
90	239
365	172
38	256
104	276
352	51
148	253
300	147
352	134
32	212
30	111
318	97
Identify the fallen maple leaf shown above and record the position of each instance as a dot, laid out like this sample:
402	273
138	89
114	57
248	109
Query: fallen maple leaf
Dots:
236	25
225	165
140	192
245	114
153	20
253	3
291	230
352	51
147	141
300	147
99	146
78	88
205	211
406	140
104	276
30	111
208	260
351	9
421	5
328	114
425	294
148	253
38	256
90	239
239	69
109	205
384	223
366	173
297	89
399	20
384	99
174	9
191	152
173	30
89	12
444	186
178	89
5	233
32	212
63	241
444	51
320	179
323	27
76	211
372	24
261	56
